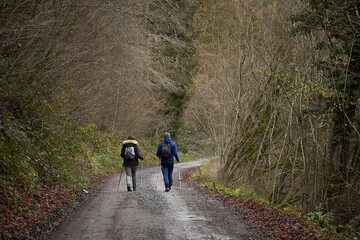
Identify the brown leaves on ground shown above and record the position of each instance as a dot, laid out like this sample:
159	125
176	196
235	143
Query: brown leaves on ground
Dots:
275	224
20	212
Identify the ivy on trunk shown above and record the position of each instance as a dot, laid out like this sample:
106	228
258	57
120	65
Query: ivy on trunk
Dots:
339	21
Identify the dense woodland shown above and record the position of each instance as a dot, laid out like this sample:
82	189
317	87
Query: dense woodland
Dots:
273	86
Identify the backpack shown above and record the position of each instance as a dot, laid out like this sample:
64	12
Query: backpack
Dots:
129	153
165	150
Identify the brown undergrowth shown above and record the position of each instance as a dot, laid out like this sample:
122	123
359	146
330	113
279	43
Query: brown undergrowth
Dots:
35	215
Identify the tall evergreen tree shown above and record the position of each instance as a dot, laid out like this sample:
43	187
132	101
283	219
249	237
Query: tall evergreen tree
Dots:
170	24
340	22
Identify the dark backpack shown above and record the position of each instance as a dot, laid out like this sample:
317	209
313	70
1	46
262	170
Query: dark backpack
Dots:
129	153
165	150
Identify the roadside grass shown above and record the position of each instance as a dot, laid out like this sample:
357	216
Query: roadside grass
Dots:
318	220
203	177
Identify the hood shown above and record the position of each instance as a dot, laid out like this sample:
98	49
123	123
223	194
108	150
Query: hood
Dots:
167	140
130	141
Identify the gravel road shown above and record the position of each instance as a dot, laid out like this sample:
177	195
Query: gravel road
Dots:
152	213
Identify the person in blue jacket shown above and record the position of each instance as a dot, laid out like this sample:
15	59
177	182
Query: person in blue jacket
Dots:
166	151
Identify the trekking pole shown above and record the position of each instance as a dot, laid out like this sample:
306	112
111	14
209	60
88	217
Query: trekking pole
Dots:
157	175
180	178
142	174
122	168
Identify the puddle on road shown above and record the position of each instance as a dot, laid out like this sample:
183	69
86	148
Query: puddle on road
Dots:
183	217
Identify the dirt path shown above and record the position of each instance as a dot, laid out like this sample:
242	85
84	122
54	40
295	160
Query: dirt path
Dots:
151	213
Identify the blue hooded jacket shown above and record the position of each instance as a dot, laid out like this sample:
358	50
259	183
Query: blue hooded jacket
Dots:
174	153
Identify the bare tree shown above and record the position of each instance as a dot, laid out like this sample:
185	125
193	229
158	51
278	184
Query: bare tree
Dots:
253	84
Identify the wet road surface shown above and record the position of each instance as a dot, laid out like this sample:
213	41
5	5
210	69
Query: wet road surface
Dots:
152	213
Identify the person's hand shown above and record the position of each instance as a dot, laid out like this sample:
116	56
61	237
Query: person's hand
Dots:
177	161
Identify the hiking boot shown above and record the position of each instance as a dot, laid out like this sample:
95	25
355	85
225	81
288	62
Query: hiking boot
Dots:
129	189
167	189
